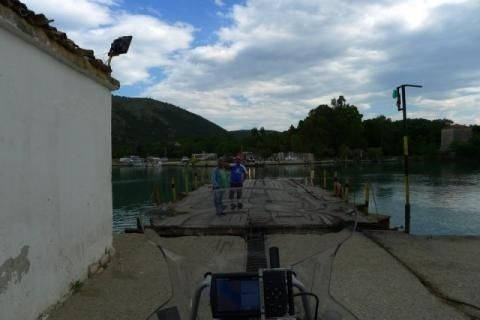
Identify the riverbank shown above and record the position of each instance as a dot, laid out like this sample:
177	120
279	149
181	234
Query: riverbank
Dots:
358	276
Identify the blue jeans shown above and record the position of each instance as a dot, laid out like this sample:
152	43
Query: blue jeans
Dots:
218	200
238	189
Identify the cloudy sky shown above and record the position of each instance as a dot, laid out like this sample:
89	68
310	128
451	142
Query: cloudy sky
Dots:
253	63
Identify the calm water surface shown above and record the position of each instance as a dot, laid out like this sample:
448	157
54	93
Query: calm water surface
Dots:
445	198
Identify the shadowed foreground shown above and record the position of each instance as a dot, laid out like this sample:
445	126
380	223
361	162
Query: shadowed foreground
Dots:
354	276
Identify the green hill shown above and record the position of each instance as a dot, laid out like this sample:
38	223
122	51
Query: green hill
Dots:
241	134
146	126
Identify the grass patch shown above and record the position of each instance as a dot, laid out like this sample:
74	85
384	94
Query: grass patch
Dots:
75	286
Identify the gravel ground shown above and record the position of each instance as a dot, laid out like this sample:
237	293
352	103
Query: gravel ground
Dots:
189	258
374	285
310	256
359	281
134	283
450	265
139	279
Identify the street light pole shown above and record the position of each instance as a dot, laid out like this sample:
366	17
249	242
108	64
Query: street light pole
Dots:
403	108
119	46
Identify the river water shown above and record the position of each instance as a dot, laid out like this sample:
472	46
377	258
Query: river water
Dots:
445	197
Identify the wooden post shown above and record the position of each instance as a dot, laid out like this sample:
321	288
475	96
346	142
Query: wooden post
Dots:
367	197
174	191
186	181
158	199
324	179
346	190
207	174
334	176
312	176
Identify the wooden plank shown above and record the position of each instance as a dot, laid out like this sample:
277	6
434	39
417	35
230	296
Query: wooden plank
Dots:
274	205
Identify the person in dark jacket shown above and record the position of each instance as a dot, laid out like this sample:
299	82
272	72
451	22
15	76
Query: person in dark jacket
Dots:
238	174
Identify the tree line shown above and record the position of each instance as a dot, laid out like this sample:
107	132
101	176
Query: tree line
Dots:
337	130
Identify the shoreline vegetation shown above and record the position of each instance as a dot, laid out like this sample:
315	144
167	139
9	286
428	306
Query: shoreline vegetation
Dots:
323	162
146	127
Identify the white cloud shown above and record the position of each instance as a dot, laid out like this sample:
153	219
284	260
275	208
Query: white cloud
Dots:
461	108
278	59
154	41
283	57
287	57
72	14
96	23
219	3
410	14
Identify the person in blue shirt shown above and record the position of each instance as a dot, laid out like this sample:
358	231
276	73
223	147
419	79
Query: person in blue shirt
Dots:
219	184
238	173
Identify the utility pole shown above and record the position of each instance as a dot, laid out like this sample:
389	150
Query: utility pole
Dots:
402	106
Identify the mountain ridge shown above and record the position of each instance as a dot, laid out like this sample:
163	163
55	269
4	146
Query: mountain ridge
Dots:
144	124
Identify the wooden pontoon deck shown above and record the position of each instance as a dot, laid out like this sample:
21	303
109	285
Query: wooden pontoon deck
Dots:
269	206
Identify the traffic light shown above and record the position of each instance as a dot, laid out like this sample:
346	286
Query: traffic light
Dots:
396	95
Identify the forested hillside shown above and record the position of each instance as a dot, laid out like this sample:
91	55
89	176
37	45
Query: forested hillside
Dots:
146	126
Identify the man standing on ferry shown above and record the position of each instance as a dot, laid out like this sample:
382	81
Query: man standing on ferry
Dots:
238	174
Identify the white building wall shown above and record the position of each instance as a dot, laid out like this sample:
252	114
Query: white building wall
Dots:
55	177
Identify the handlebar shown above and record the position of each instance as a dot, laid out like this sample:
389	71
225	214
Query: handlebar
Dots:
198	293
207	283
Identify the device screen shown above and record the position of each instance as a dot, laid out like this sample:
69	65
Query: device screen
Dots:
237	295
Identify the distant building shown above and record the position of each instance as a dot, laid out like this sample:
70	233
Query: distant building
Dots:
307	156
153	162
455	133
249	156
55	162
204	156
292	156
279	156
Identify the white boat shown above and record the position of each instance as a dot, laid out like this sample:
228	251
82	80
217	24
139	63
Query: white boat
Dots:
134	161
126	161
137	161
291	158
153	162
